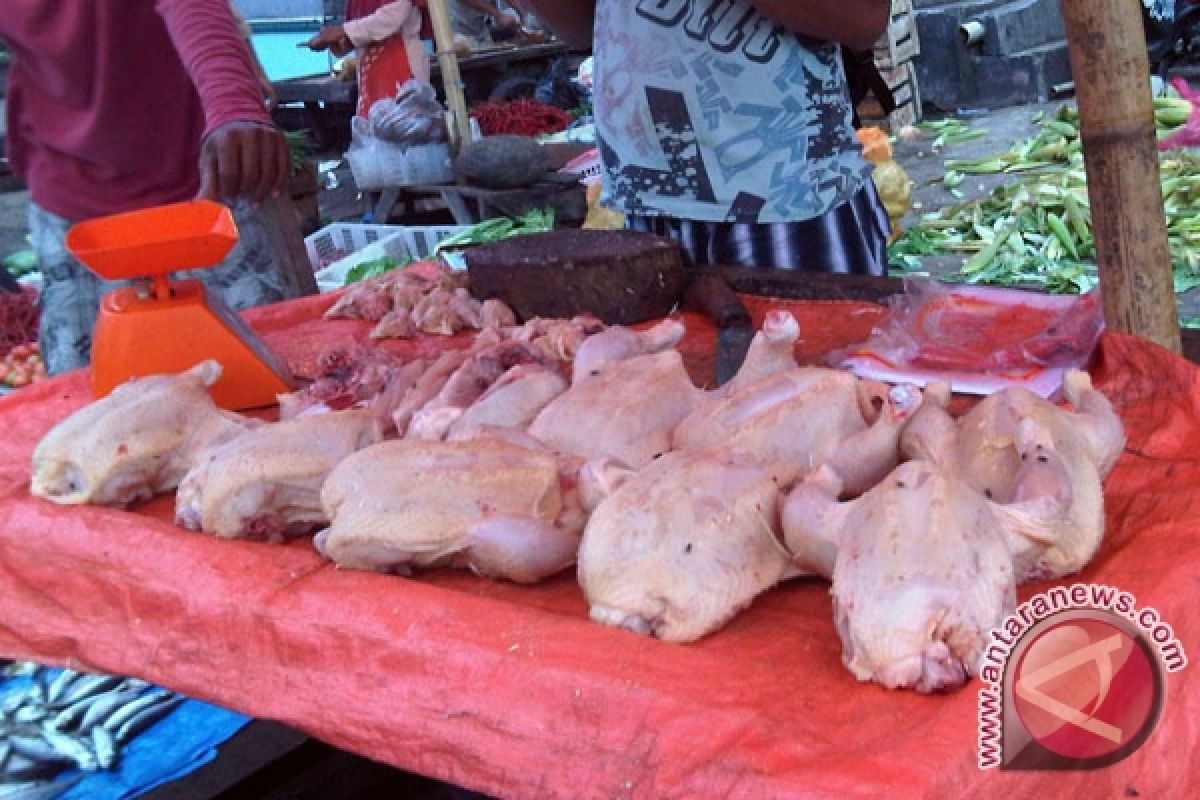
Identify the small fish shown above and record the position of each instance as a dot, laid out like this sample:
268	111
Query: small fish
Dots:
29	713
105	746
145	701
19	768
145	718
60	684
87	686
76	750
106	705
36	748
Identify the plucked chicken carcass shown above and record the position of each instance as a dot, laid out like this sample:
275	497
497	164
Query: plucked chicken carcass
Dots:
806	417
511	402
500	509
677	548
628	392
134	443
482	367
982	449
920	564
266	484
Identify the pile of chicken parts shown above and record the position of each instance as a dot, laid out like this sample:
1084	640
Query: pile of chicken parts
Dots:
562	441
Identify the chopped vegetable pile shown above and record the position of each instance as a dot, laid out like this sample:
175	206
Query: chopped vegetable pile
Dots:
1036	231
535	220
376	266
525	117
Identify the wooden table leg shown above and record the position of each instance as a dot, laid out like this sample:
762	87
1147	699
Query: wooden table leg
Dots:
458	207
385	203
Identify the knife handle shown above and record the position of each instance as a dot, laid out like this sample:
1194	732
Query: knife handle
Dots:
712	296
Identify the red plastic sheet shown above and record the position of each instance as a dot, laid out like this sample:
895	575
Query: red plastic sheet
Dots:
512	691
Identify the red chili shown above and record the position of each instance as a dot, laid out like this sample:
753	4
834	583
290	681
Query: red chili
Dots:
525	117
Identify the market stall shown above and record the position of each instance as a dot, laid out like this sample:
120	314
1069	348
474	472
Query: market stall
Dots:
511	690
329	101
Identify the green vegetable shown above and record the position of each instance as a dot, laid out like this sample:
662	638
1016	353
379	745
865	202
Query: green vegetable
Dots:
300	148
1036	231
21	263
378	266
535	220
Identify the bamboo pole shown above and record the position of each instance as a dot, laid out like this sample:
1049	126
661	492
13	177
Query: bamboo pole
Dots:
1107	47
443	37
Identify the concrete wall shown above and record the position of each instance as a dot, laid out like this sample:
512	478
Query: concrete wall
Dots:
1020	57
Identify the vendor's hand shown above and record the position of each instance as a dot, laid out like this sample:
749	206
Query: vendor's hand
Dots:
507	20
332	38
270	96
243	159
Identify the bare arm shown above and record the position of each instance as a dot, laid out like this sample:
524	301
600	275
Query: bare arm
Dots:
570	20
384	23
854	23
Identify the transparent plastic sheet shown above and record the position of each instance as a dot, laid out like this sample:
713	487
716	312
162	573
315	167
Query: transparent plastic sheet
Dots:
979	338
512	691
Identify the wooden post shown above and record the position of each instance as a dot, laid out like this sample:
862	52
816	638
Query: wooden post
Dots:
1107	47
443	37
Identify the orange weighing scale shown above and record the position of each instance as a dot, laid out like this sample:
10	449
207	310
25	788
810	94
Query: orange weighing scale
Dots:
156	325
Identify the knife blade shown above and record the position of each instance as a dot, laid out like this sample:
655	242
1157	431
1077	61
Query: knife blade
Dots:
712	296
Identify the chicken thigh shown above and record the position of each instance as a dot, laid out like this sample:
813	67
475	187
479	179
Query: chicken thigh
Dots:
983	449
266	484
677	548
134	443
500	509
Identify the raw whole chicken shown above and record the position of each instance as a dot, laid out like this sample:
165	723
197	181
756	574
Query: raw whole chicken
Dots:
511	402
266	484
921	565
677	548
806	417
982	449
501	509
619	344
605	413
623	409
483	366
134	443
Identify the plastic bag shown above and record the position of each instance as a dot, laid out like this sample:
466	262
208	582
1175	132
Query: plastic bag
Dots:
1189	134
979	338
414	116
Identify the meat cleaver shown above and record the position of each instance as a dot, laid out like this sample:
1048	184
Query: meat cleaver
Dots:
711	295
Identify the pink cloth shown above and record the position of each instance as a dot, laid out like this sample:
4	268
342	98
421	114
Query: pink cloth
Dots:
108	100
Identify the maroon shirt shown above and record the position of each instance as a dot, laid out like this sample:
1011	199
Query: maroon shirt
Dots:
108	100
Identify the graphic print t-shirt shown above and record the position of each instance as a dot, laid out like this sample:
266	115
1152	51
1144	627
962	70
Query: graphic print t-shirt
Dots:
708	110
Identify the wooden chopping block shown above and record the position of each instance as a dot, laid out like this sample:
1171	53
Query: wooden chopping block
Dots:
620	276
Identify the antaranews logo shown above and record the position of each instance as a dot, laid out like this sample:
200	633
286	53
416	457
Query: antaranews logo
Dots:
1074	679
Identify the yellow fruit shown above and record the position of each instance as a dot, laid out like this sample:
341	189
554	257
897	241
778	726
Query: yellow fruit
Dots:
895	189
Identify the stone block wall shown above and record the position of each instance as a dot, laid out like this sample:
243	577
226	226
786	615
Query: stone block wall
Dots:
1020	57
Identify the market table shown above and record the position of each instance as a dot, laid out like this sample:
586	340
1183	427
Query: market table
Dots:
511	690
329	101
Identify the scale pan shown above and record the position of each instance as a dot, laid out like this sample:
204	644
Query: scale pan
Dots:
154	241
